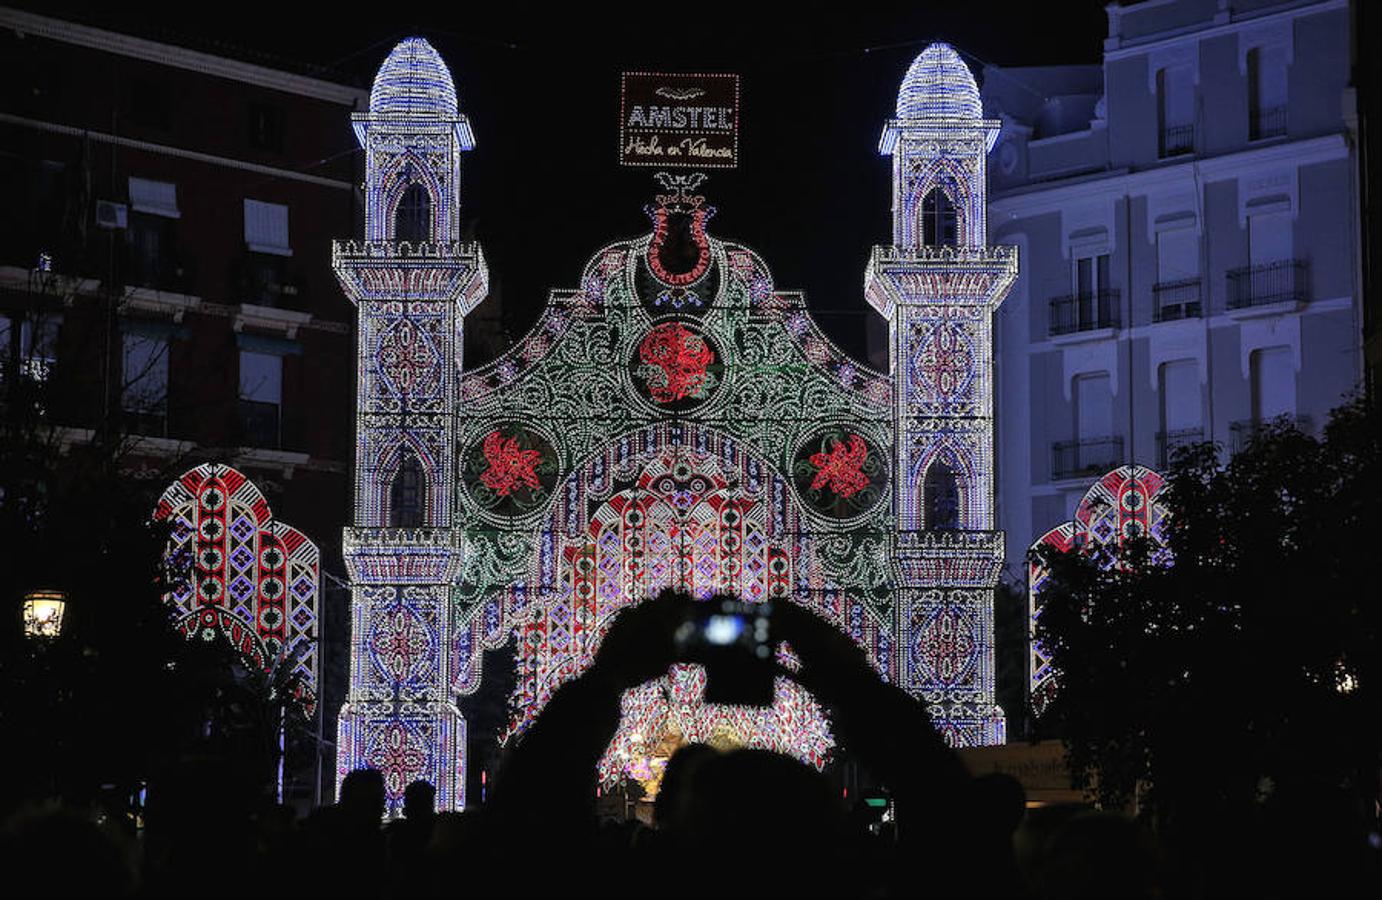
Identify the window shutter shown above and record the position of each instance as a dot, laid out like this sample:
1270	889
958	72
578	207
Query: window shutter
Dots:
157	198
1180	395
1273	383
1177	255
266	228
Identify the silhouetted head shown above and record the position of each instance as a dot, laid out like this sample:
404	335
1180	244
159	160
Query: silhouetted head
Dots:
752	818
362	795
419	800
69	854
673	796
1095	855
1000	799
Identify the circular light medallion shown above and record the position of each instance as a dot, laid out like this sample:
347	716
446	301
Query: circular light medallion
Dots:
510	470
839	473
675	367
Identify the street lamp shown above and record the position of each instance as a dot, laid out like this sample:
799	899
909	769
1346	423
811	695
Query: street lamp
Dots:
43	611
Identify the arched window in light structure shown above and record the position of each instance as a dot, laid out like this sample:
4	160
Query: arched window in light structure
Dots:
941	496
939	219
407	493
413	220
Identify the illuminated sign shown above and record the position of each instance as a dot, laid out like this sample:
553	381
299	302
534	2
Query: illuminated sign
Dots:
681	120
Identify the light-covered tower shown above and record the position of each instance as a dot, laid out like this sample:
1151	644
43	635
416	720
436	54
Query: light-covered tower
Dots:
413	282
938	285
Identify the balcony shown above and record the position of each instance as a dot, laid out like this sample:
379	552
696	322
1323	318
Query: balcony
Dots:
1168	443
1266	123
1084	312
1242	432
910	275
430	271
1176	140
1267	284
1176	300
1087	457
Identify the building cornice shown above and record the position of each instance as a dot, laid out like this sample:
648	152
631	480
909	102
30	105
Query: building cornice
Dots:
166	150
1109	185
1117	48
181	58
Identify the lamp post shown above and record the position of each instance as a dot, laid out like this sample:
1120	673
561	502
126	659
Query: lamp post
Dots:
43	613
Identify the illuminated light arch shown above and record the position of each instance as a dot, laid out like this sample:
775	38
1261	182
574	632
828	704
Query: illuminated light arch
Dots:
1124	504
799	467
684	508
240	575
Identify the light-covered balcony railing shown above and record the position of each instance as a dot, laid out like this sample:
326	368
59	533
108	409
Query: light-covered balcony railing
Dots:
1176	300
1084	312
1282	281
425	270
1086	456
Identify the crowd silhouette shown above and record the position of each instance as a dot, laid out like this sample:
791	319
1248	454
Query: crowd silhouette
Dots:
739	823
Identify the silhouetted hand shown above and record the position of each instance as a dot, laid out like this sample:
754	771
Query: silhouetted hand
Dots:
638	646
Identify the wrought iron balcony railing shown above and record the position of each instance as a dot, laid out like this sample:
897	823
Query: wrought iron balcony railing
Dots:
1267	283
1084	312
1265	123
1242	432
1090	456
1176	300
1176	140
1169	442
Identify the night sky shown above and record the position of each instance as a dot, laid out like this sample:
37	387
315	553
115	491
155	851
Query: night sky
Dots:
543	190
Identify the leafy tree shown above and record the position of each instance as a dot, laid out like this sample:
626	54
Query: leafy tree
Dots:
1239	676
120	695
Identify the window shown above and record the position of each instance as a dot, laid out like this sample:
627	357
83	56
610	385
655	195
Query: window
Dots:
1175	101
1273	383
266	228
1091	275
1266	92
144	387
1095	448
1180	395
413	221
1093	407
1269	237
941	496
153	260
407	492
261	396
1177	287
266	127
1177	255
38	341
939	223
1093	305
157	198
1179	384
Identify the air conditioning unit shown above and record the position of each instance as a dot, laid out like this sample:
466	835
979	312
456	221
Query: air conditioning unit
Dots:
111	215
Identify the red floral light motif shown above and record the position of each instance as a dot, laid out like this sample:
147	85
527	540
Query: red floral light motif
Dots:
510	467
680	358
840	468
